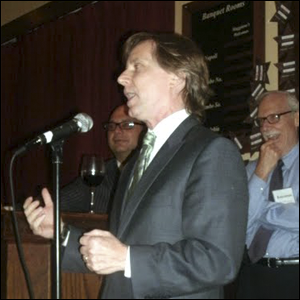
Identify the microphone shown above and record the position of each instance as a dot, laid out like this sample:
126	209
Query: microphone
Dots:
80	123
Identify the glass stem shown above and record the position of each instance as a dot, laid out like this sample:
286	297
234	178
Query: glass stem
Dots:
92	200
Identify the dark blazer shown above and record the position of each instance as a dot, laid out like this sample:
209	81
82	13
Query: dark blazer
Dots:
186	220
75	197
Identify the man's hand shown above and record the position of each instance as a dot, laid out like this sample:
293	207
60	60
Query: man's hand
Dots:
40	218
268	158
102	252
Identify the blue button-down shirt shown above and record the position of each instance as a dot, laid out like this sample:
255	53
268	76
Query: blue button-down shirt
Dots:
282	218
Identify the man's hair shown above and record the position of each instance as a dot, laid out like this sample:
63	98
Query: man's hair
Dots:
180	55
291	99
118	107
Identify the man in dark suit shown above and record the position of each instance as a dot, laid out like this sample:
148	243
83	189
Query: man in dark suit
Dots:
179	215
123	137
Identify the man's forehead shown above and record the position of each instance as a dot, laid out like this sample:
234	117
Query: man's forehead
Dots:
120	112
142	51
121	119
273	102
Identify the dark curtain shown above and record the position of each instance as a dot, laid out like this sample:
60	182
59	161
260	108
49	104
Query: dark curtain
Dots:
60	69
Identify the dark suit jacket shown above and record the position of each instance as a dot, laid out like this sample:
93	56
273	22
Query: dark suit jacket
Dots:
75	197
186	220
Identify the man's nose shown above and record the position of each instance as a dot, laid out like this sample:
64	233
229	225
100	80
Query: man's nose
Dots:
118	129
124	78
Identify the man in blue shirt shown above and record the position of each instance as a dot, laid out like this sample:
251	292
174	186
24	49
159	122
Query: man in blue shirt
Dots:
274	213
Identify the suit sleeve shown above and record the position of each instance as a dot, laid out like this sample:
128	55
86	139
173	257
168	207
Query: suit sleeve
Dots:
71	259
214	219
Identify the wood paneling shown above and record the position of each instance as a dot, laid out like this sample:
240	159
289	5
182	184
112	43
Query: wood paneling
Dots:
44	14
37	252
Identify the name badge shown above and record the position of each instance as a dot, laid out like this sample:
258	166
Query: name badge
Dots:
284	196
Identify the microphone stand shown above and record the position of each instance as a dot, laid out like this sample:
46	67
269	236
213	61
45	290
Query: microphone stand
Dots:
57	155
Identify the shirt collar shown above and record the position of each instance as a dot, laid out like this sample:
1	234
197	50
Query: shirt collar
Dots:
118	164
170	123
289	158
165	128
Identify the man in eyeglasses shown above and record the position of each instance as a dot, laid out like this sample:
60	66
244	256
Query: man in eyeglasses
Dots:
272	271
123	135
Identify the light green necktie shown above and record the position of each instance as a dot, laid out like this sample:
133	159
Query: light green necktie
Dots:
143	159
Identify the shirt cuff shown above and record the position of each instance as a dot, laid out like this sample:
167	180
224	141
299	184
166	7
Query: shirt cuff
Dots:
127	272
65	236
257	184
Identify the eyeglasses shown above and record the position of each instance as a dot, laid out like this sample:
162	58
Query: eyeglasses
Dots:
272	119
126	125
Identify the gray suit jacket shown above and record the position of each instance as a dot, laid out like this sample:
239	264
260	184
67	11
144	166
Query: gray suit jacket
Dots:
186	220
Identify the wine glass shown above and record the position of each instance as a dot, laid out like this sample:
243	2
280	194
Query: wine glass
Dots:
92	172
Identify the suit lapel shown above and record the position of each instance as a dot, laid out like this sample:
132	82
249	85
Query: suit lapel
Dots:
118	201
160	161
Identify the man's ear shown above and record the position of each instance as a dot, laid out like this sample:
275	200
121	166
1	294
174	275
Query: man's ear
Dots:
297	119
177	80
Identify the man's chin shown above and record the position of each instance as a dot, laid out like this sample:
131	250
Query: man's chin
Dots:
122	152
121	148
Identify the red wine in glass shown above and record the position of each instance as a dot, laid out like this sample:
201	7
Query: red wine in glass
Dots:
92	180
92	174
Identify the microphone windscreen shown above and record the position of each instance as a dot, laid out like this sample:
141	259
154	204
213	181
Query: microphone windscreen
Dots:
84	121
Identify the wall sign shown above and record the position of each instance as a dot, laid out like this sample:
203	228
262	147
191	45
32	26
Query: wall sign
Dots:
231	35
